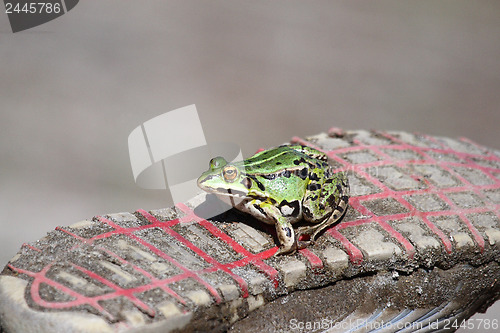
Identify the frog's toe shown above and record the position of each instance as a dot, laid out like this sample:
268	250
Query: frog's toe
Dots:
306	230
303	244
304	236
280	252
286	250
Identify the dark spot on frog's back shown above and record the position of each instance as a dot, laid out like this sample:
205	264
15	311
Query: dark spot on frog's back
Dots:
299	161
270	176
278	163
331	199
303	173
313	187
313	176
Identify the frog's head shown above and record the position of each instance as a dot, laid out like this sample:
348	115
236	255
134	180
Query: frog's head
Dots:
223	179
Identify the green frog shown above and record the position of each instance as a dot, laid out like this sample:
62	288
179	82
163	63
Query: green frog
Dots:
282	186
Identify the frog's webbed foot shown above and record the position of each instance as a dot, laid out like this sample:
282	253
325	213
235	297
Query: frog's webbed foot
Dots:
309	231
306	235
303	244
282	250
298	245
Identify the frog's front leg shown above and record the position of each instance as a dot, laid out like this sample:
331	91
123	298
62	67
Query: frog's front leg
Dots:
269	213
286	236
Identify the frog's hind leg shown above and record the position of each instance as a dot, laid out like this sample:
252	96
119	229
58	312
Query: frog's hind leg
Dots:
329	200
314	230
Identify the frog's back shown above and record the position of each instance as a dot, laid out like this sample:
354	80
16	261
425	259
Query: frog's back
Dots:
281	158
310	152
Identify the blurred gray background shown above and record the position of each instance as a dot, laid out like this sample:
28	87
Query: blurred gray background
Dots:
260	72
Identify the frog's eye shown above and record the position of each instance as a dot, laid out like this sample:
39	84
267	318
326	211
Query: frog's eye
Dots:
217	162
230	172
